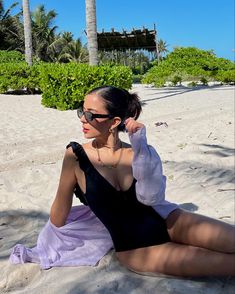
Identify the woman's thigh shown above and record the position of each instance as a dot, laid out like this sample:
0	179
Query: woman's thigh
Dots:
178	260
201	231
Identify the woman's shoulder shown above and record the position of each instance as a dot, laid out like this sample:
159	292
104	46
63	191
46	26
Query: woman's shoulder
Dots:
72	151
79	152
73	145
127	147
128	151
69	154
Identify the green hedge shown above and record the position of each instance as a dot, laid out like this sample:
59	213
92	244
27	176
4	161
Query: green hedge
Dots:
11	56
190	64
63	86
226	76
19	76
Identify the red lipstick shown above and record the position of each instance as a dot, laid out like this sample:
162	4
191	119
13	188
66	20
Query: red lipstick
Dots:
85	130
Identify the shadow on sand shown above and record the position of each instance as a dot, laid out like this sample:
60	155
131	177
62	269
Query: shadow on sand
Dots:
178	90
19	227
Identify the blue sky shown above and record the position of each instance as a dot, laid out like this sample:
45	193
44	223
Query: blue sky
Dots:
205	24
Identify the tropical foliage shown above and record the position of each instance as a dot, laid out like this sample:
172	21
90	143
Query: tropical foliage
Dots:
63	85
11	29
59	74
43	32
190	64
138	61
47	44
10	56
162	48
50	46
66	49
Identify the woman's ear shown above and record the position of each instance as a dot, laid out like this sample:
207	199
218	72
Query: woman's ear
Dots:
116	121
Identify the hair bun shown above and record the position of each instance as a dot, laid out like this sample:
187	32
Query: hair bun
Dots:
134	106
119	102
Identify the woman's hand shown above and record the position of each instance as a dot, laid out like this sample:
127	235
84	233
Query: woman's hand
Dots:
132	125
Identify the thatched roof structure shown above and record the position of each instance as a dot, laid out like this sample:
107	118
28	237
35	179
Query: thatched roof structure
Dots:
135	40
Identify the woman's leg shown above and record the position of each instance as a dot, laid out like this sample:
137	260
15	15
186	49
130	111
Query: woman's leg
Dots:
201	231
179	260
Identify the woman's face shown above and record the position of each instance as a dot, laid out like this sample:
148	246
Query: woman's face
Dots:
98	127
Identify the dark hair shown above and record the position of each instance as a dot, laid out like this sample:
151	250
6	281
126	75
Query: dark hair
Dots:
119	102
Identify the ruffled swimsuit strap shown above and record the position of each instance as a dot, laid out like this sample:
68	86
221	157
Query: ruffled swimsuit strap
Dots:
81	155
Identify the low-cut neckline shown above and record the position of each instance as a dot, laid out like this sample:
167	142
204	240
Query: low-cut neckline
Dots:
103	178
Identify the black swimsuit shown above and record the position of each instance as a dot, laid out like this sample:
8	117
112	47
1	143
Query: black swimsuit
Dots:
130	223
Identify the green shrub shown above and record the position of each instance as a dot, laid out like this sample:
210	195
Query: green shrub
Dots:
188	64
13	76
19	76
204	81
65	85
227	77
137	78
177	79
11	56
157	76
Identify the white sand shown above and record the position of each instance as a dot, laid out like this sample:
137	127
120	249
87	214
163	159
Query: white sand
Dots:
197	150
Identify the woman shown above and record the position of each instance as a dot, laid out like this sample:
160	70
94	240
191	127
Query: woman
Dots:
127	195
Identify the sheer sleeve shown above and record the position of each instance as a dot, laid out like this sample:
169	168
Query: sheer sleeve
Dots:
147	170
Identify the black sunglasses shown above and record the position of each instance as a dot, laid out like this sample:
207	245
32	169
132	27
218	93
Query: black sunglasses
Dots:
89	116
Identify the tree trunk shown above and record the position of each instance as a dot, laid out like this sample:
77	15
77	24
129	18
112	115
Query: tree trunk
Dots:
27	33
91	30
156	42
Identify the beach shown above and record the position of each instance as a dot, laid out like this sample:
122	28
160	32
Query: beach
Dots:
193	132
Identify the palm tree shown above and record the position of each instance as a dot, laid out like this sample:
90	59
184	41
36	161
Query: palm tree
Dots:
11	29
5	14
162	48
65	49
91	31
57	47
27	32
74	52
43	31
